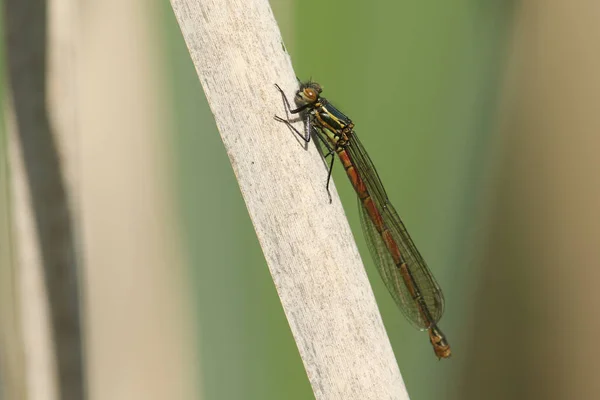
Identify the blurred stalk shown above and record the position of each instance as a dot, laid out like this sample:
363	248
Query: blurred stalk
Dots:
536	319
45	279
12	357
87	162
140	326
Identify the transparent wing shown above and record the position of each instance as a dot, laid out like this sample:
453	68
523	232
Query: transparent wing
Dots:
390	273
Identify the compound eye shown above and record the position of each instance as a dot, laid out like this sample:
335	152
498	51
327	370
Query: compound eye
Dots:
310	94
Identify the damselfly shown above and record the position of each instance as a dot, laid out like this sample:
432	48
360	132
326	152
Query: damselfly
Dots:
400	264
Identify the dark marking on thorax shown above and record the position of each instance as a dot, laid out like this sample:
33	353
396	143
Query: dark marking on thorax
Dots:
328	117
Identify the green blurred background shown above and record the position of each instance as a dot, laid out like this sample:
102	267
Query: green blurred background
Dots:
420	80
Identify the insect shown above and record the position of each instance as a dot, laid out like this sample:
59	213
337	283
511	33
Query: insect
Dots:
401	266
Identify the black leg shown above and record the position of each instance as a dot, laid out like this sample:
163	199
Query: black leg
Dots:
287	103
306	137
329	175
330	153
285	100
296	131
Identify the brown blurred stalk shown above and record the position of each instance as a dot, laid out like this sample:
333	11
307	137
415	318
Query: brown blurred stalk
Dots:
537	320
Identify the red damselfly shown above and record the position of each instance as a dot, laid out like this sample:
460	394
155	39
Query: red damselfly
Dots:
400	264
